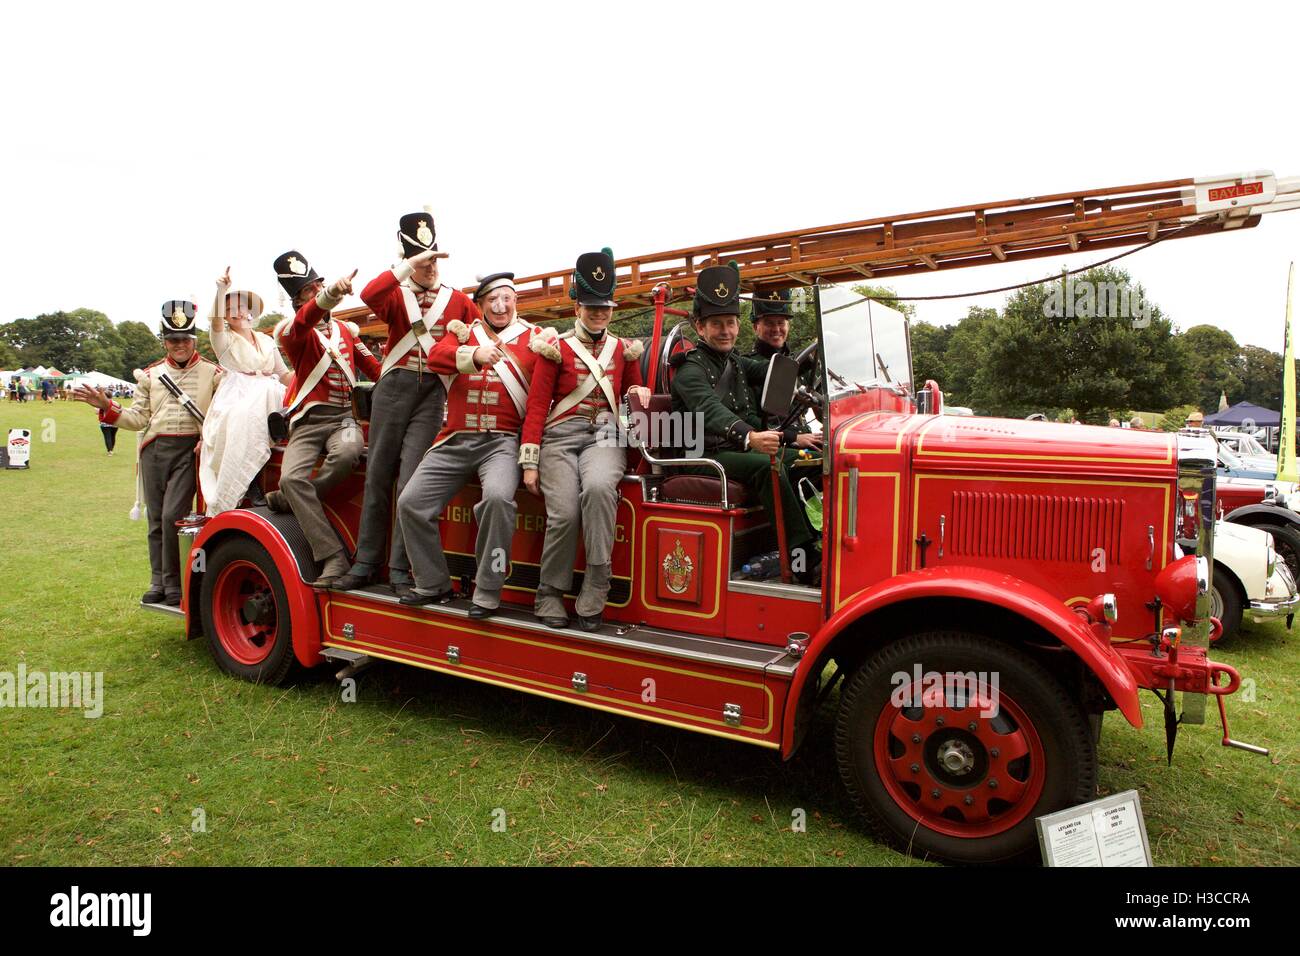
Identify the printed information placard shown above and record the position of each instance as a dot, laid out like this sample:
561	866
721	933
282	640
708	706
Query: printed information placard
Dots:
1105	832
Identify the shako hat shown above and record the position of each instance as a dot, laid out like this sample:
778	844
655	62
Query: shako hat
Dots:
294	271
770	302
593	279
494	281
178	318
418	234
717	291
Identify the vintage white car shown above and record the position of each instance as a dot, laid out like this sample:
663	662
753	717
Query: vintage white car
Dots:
1248	578
1248	449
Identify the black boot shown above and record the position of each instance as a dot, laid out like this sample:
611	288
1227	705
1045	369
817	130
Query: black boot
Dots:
415	598
355	579
254	495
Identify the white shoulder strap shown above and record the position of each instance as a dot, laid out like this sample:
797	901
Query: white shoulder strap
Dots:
505	370
329	354
419	330
598	376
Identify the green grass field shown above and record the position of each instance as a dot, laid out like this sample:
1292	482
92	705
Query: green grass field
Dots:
417	770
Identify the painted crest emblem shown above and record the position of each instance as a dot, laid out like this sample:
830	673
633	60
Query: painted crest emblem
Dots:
721	291
775	296
678	568
178	318
424	234
297	267
598	273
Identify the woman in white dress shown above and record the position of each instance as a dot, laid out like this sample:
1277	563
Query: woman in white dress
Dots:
236	443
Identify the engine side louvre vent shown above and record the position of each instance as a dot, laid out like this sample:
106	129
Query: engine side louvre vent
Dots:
994	524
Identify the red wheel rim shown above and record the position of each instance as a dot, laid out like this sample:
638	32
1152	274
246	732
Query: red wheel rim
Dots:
244	612
955	770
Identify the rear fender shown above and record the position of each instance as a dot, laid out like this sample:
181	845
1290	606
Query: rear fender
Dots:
293	561
978	585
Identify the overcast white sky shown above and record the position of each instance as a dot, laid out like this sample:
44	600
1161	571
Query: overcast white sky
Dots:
148	146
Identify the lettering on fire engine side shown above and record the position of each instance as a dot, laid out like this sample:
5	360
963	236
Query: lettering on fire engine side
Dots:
459	514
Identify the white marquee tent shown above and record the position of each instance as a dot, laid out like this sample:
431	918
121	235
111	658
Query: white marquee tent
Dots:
100	380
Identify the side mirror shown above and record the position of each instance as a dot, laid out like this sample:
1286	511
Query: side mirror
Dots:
780	385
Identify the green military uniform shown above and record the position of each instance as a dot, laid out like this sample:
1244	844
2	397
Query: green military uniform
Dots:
720	387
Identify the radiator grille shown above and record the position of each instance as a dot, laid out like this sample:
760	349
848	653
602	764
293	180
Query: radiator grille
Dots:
989	524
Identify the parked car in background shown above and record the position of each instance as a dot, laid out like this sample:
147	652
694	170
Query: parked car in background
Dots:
1248	451
1248	578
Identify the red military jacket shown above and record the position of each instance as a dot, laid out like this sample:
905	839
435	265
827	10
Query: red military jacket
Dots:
489	399
303	347
563	388
386	296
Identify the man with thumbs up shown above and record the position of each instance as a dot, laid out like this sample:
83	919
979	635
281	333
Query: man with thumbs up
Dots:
326	355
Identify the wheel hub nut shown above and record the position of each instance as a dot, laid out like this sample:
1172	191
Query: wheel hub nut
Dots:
956	757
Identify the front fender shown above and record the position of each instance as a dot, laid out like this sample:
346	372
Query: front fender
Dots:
986	587
290	562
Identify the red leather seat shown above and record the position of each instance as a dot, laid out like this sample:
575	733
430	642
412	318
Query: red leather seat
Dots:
703	490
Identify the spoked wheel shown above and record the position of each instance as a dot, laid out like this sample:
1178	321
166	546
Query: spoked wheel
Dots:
245	613
957	768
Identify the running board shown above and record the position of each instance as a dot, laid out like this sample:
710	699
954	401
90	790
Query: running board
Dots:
736	655
168	609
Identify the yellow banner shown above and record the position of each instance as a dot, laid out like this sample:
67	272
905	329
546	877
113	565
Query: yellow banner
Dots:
1286	464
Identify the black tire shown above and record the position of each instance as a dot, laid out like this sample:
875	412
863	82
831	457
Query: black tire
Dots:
1227	602
1060	766
241	574
1286	542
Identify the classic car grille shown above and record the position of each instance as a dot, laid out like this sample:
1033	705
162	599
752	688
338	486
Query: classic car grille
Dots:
990	524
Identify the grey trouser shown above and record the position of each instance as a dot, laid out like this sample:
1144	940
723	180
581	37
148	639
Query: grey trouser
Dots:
579	479
407	413
167	472
331	431
442	473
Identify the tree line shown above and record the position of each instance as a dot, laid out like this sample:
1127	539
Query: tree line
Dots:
86	340
1035	356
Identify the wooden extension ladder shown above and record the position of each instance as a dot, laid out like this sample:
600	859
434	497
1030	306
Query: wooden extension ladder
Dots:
953	238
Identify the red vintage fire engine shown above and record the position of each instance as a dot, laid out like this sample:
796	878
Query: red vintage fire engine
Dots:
1041	555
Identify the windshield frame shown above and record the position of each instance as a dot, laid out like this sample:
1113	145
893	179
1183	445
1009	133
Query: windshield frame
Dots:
879	318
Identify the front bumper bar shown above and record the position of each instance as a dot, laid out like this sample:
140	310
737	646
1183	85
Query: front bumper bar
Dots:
1285	602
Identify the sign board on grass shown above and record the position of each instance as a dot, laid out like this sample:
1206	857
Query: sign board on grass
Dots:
1105	832
19	448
